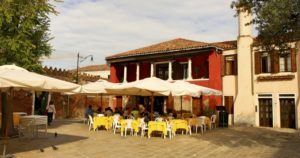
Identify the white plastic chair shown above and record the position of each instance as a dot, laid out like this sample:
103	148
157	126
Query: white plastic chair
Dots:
193	125
169	130
213	121
159	119
91	123
100	115
128	127
144	127
86	120
201	121
116	124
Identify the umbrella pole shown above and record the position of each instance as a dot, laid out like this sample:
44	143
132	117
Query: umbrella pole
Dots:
101	102
181	106
33	102
152	102
68	111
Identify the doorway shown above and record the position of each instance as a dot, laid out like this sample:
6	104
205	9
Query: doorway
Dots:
159	105
40	102
265	112
228	100
287	112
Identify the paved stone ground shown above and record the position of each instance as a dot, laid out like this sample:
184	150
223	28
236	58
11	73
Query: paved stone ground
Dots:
75	141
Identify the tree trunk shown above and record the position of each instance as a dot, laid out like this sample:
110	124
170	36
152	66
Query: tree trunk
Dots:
7	114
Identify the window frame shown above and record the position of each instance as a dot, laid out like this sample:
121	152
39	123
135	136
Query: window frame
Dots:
231	68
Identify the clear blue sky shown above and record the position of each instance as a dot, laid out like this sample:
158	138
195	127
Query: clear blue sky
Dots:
105	27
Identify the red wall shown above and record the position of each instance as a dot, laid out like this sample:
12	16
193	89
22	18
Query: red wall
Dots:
131	72
116	73
214	80
145	70
113	74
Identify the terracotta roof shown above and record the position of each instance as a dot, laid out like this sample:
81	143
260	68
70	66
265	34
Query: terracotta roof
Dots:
102	67
170	46
226	44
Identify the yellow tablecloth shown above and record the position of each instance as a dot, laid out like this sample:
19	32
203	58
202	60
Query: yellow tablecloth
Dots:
157	126
179	124
134	124
102	121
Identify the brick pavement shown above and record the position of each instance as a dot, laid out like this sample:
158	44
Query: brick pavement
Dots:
74	140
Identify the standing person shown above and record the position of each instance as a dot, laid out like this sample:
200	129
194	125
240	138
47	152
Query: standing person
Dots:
50	111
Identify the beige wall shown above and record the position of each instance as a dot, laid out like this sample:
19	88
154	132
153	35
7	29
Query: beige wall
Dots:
245	88
102	74
276	88
229	82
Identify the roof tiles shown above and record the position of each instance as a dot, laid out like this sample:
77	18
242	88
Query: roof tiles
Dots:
173	45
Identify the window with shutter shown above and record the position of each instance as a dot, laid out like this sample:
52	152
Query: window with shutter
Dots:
230	65
293	60
287	61
223	65
258	62
264	62
278	61
275	62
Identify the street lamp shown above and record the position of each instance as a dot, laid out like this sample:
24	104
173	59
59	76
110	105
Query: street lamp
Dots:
79	61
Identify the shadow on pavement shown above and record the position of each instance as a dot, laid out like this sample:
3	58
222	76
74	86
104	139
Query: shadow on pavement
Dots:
39	142
286	141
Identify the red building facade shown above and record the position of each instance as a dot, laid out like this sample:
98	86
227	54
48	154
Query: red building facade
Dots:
179	59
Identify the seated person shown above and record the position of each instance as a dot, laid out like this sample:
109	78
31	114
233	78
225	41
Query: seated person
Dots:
89	111
135	113
99	110
142	109
108	111
126	113
118	111
146	117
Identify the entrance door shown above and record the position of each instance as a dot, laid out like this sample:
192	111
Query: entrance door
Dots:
287	112
229	104
265	112
197	106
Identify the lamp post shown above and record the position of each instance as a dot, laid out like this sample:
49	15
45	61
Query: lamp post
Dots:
79	60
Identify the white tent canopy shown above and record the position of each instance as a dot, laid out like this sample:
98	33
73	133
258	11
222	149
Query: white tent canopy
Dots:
146	87
14	76
182	88
97	87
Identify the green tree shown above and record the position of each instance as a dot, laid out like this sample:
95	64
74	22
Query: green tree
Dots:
277	21
24	37
24	32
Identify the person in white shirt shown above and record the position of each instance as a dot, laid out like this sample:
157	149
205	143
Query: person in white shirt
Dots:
50	111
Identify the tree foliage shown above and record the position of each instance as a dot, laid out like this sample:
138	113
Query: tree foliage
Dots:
277	21
24	32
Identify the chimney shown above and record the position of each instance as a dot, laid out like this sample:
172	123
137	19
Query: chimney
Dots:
245	28
244	111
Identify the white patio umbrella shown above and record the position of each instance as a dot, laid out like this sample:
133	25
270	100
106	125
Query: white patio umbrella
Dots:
98	87
181	88
184	88
12	76
146	87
